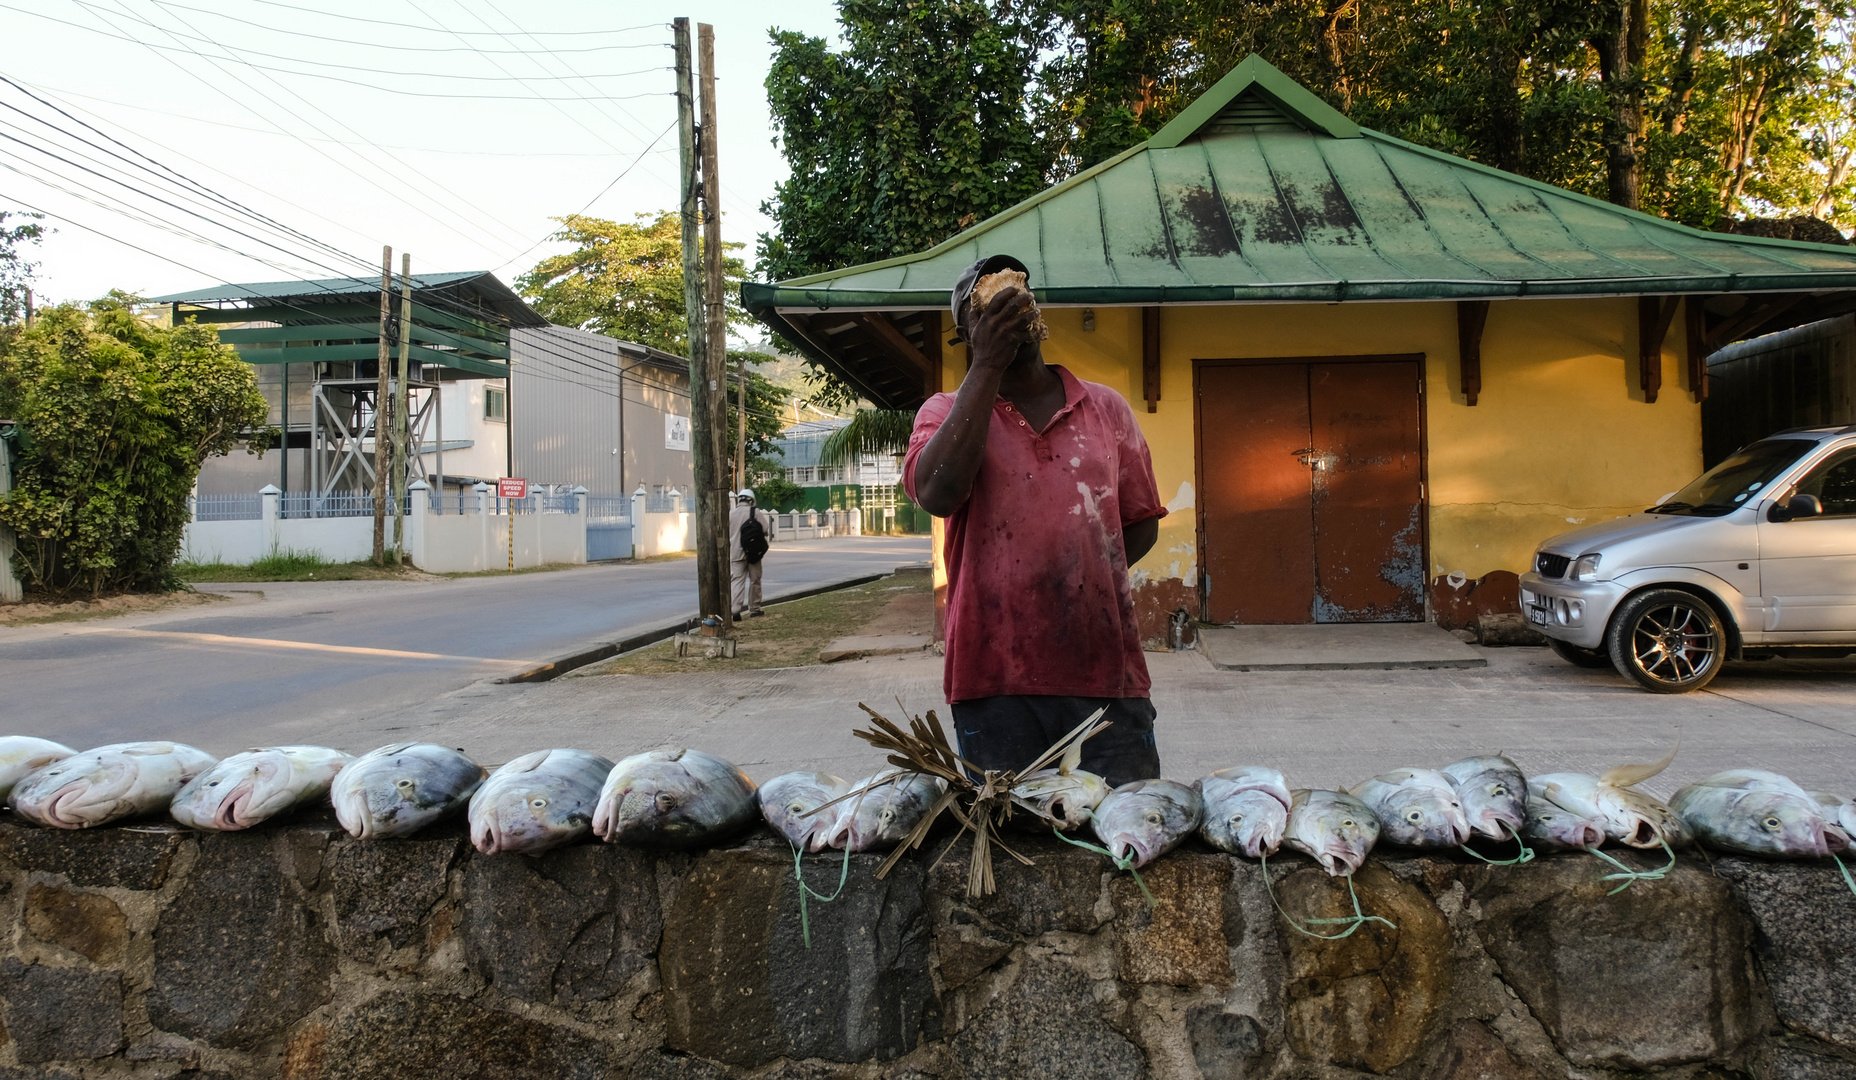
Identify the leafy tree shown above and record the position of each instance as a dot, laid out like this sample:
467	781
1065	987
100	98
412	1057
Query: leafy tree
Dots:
118	415
871	431
15	271
764	402
625	280
773	491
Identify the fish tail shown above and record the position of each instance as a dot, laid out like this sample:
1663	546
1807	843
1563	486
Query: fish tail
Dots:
1629	775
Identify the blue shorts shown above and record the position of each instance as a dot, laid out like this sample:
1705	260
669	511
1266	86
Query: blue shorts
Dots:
1011	731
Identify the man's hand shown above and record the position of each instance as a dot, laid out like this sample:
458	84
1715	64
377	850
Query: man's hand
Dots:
1001	329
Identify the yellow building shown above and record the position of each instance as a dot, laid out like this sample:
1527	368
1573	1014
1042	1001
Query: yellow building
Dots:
1373	376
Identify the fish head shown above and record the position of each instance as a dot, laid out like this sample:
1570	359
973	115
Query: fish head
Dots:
1418	816
1334	828
243	790
1066	800
886	813
1782	824
1639	820
1250	821
533	815
789	803
77	792
1552	826
1141	821
1494	801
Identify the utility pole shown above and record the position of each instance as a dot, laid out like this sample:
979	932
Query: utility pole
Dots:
741	425
715	344
402	398
711	582
382	402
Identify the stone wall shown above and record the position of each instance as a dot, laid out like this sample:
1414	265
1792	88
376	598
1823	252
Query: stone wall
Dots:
296	952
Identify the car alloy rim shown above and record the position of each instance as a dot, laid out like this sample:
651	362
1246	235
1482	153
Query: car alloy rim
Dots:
1674	643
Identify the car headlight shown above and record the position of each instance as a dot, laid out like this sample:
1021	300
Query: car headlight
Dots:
1585	568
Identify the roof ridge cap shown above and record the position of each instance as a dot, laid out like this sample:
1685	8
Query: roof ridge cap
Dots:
1255	73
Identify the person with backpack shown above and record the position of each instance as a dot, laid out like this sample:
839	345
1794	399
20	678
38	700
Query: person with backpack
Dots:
750	531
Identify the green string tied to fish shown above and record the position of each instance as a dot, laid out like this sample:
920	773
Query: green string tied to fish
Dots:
1352	922
1126	862
1631	877
1526	855
805	917
1845	871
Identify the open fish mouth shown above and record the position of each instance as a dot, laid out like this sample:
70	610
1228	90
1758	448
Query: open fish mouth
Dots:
1585	835
1497	825
1122	844
231	812
1836	841
1643	834
69	806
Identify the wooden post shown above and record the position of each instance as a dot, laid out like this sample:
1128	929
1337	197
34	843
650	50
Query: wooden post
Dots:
711	584
741	425
402	399
1471	317
1150	357
1695	328
381	399
1654	315
715	341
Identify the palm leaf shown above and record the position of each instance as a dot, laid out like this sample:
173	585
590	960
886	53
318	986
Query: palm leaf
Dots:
871	431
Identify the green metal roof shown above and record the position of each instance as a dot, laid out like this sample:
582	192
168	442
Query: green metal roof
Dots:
478	288
1259	191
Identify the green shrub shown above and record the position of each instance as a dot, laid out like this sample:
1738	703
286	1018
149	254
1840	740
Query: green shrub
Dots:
116	416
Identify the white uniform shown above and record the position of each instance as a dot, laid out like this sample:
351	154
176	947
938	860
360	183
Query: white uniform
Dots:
744	575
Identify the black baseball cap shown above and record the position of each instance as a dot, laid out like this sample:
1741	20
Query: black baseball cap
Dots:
963	285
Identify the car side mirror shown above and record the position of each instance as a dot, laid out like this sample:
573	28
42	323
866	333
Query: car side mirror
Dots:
1798	506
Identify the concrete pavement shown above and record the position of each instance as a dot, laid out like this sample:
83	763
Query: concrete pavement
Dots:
1321	728
295	661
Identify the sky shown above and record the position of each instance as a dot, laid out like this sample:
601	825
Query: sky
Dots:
450	129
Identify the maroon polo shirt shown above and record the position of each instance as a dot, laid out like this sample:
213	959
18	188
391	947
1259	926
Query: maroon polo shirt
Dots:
1037	579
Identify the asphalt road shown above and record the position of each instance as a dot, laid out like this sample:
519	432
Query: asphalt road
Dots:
297	661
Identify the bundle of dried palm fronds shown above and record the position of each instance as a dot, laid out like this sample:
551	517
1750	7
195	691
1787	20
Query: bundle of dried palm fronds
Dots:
979	806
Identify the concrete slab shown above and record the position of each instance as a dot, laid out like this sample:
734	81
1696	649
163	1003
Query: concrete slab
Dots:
859	646
1341	647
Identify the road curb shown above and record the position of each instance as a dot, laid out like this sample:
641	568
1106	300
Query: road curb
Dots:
561	665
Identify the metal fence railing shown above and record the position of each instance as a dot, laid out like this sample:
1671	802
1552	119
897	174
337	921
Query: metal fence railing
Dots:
662	502
305	504
453	504
608	508
228	507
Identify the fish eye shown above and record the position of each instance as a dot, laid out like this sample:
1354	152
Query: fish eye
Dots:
1498	791
1772	823
666	800
538	802
1346	823
1415	816
887	814
1153	819
1237	819
797	808
403	784
215	783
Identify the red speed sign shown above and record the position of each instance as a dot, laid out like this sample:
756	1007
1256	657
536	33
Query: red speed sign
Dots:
511	488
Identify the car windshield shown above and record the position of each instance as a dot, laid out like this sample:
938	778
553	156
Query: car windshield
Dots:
1726	487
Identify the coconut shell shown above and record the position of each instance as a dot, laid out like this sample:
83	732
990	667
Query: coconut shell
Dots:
993	284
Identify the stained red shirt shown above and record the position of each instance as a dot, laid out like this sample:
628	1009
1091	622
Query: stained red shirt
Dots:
1037	579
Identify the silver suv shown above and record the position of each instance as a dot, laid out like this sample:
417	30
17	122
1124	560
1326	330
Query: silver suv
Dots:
1757	558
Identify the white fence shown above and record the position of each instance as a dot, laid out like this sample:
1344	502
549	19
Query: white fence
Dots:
814	524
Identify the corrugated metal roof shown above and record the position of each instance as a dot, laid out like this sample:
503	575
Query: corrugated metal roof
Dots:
486	287
1261	192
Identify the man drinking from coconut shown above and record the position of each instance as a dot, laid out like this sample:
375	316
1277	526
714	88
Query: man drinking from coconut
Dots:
1049	495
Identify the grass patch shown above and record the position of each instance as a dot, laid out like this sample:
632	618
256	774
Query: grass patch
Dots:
289	566
544	568
789	635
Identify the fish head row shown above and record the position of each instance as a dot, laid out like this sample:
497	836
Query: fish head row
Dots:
397	789
1493	794
1242	818
789	802
1066	800
537	801
675	798
1548	826
1333	828
1416	808
888	812
1146	819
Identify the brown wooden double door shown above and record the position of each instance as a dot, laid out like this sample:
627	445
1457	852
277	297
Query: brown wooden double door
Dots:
1311	490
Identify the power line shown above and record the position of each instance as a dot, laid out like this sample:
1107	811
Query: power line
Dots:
407	48
602	191
321	13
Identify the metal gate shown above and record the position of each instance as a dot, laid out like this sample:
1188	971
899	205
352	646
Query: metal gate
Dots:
608	527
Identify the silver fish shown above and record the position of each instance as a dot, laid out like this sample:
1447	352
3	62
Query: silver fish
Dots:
1628	816
1246	810
1148	818
1416	807
22	754
107	784
1550	828
245	789
537	801
401	788
1839	810
1759	813
1493	793
674	798
1332	827
788	799
1065	796
883	816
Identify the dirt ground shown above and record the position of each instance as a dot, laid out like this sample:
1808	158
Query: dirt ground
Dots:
29	613
791	634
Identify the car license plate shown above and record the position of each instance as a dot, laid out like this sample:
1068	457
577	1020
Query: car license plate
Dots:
1537	616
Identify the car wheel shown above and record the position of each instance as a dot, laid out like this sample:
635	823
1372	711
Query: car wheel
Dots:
1667	641
1579	656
